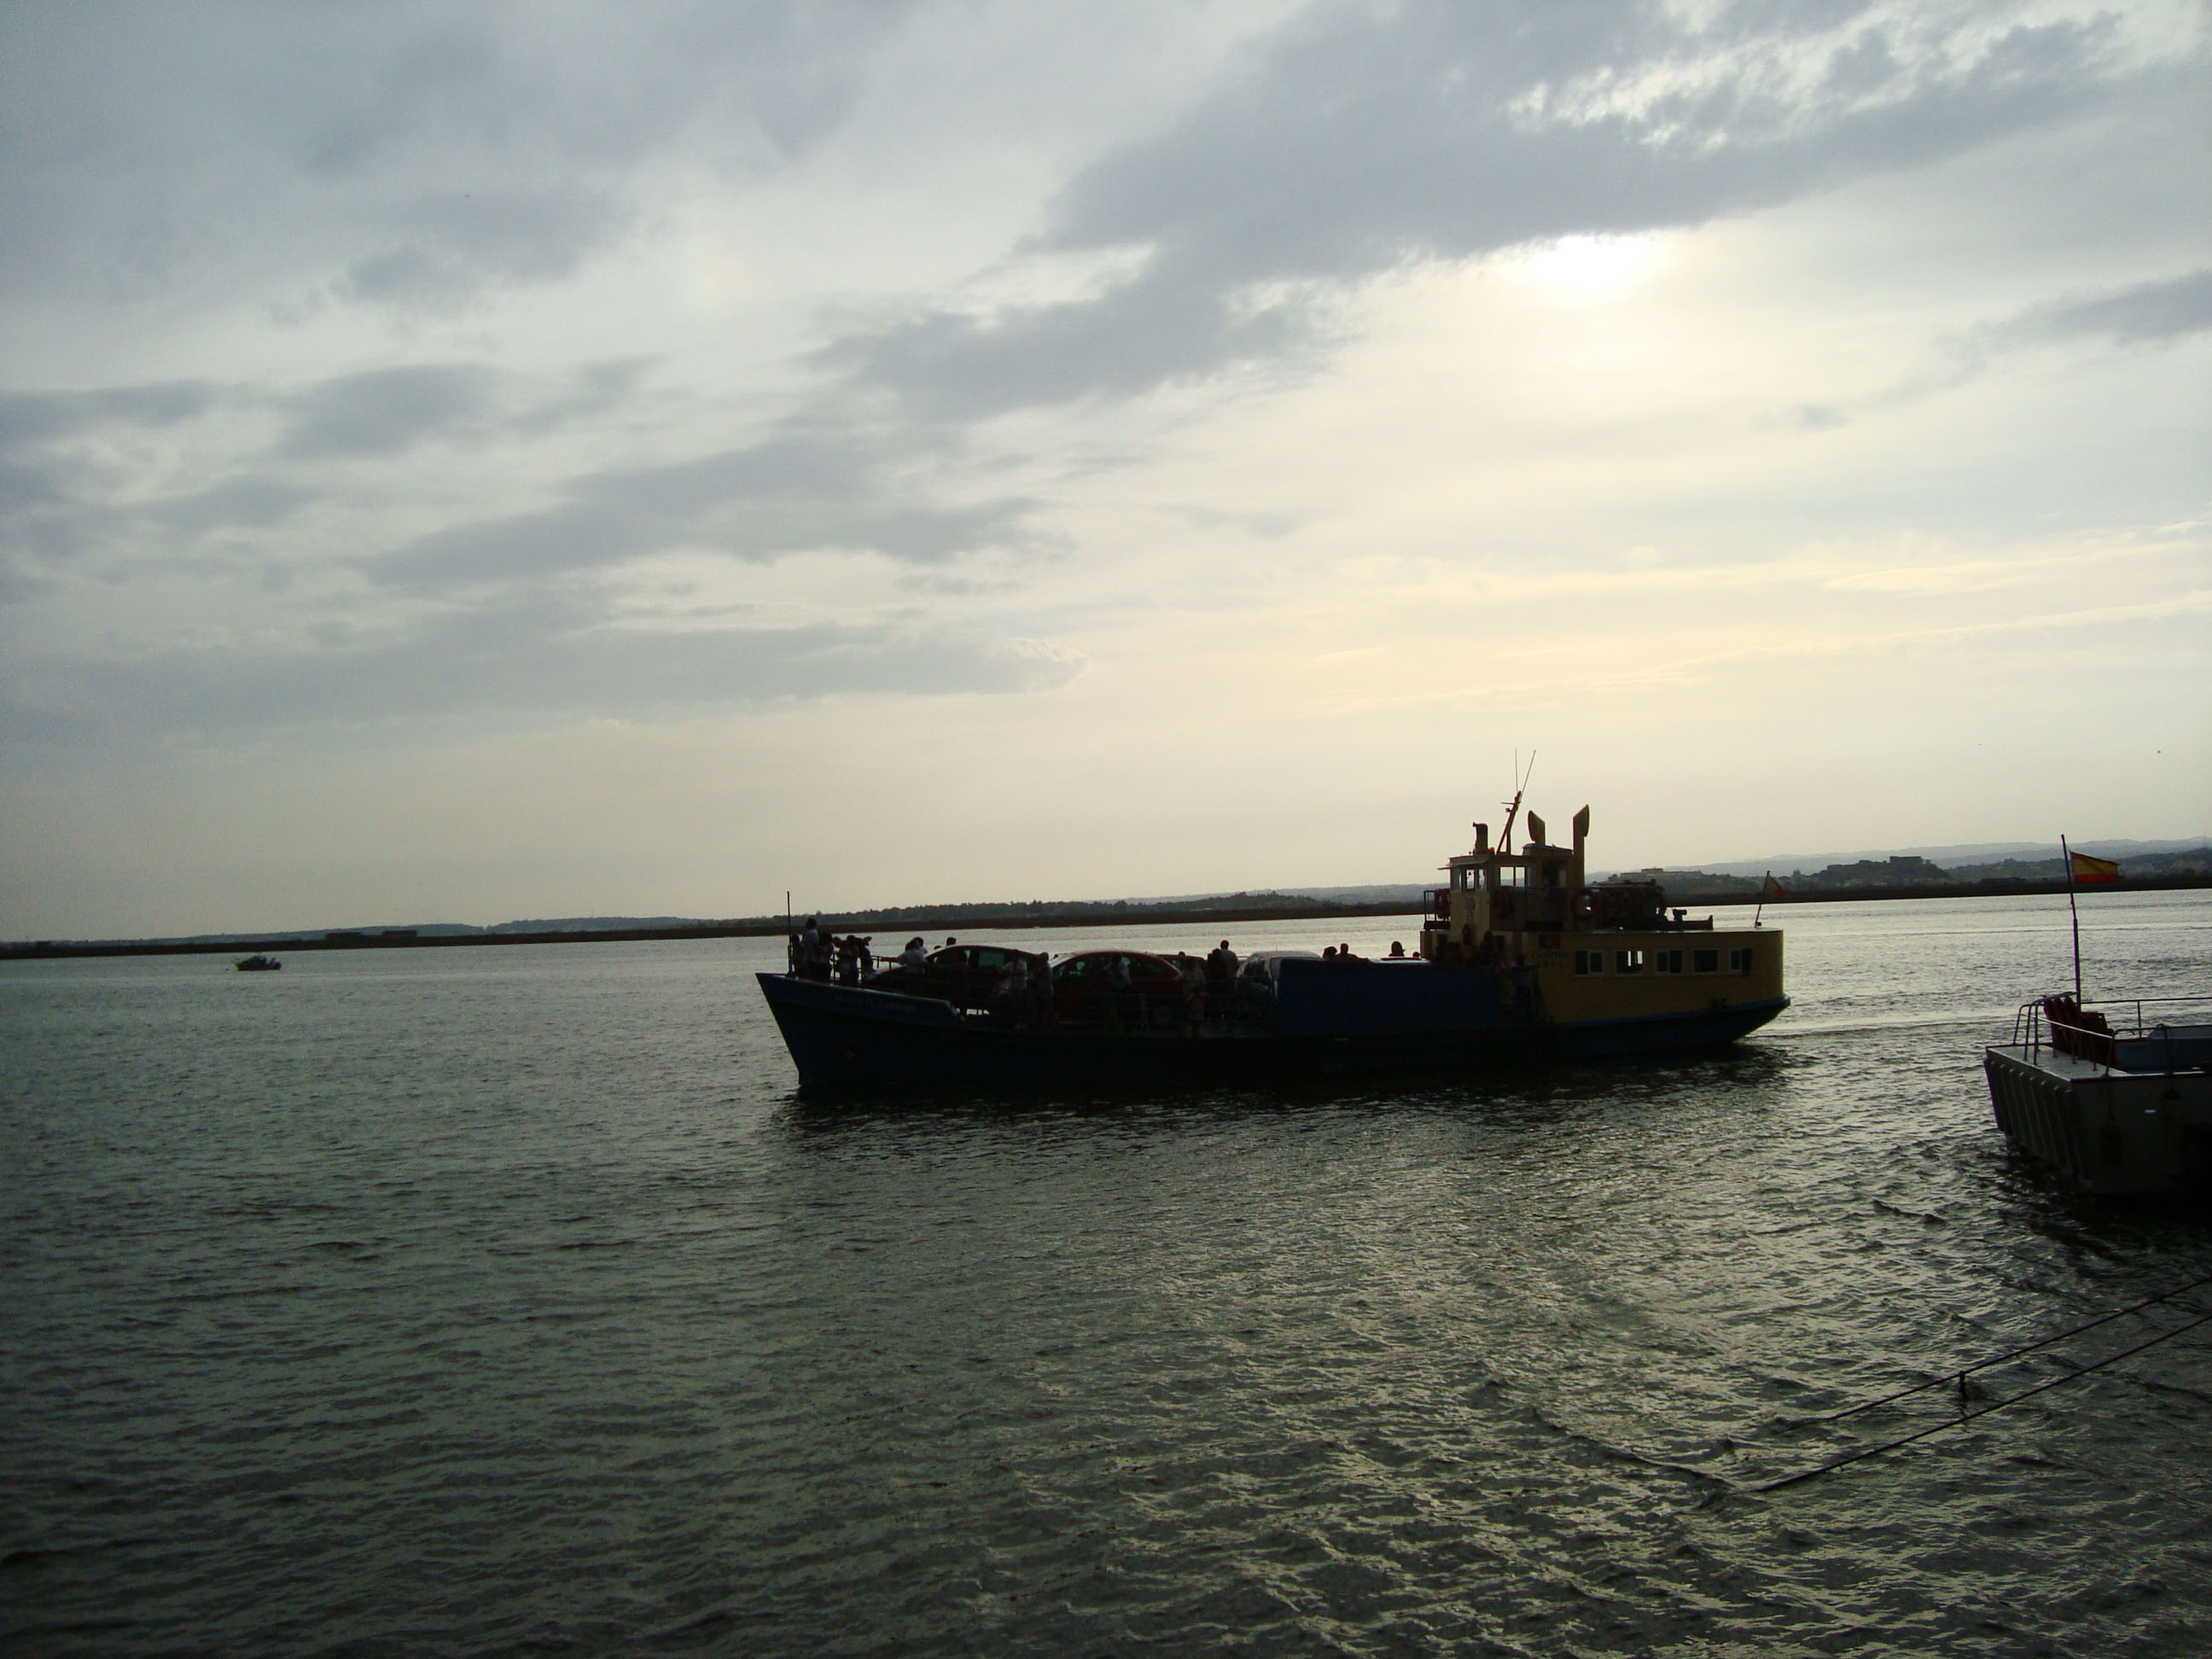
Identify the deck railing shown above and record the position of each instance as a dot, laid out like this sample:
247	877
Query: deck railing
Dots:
2034	1028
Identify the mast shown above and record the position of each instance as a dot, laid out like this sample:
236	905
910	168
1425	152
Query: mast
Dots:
2066	854
1520	787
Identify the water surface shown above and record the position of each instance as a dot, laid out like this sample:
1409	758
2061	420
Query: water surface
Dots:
506	1300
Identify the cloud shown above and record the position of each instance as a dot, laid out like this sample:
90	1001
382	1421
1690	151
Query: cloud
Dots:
523	644
407	155
421	157
539	660
2147	313
795	494
594	390
1141	335
383	411
455	244
73	480
243	502
50	488
2155	312
38	417
1362	140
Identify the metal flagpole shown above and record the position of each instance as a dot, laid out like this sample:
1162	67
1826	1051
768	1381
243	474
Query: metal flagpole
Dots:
2067	853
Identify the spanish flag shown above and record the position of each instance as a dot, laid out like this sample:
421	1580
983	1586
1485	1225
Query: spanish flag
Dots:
2088	869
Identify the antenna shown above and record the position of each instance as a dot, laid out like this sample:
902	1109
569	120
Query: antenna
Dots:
1520	783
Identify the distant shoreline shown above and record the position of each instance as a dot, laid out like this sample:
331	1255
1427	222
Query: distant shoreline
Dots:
947	921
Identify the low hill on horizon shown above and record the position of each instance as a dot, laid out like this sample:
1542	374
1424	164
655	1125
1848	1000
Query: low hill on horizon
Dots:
1973	861
1958	856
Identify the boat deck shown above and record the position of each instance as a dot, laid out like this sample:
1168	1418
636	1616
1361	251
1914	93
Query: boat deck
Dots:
2071	1068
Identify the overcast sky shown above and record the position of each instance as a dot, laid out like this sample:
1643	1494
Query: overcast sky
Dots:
461	463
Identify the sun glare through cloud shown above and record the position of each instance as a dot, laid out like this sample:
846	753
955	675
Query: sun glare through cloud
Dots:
1589	268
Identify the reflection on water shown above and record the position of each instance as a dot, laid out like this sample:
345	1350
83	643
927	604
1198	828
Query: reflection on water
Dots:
468	1301
1526	1091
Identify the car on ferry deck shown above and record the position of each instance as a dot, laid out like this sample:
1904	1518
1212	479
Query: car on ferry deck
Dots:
1256	980
965	976
1158	988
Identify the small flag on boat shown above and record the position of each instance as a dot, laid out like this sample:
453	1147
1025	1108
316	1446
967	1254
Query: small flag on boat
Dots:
2088	869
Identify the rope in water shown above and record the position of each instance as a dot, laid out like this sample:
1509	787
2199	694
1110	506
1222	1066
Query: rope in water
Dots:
1953	1379
1958	1379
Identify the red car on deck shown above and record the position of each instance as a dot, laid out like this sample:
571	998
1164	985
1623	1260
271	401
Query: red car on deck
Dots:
1125	991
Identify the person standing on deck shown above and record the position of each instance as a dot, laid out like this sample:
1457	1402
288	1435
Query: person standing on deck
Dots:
1117	992
1220	979
1043	1006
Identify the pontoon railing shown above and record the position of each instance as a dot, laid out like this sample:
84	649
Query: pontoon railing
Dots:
2030	1020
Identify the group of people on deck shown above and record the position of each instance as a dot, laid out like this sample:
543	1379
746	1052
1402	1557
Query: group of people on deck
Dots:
814	954
850	959
1025	987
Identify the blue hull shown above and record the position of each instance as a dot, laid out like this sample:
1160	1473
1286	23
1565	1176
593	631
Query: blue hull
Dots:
1662	1034
845	1038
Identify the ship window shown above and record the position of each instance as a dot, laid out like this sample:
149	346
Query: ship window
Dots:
1705	962
1740	960
1628	962
1589	961
1666	962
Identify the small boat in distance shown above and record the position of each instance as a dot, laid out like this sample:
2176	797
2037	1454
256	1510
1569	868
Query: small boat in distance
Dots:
2116	1096
1520	957
257	964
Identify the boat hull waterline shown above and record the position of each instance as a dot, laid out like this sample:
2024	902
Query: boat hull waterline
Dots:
850	1038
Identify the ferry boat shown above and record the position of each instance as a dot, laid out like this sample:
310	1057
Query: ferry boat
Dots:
1520	957
2115	1096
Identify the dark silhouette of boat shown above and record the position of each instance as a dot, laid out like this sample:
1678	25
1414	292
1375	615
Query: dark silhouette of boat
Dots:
1521	958
258	964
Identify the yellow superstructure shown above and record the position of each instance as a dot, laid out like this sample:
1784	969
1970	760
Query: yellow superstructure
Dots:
1608	952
